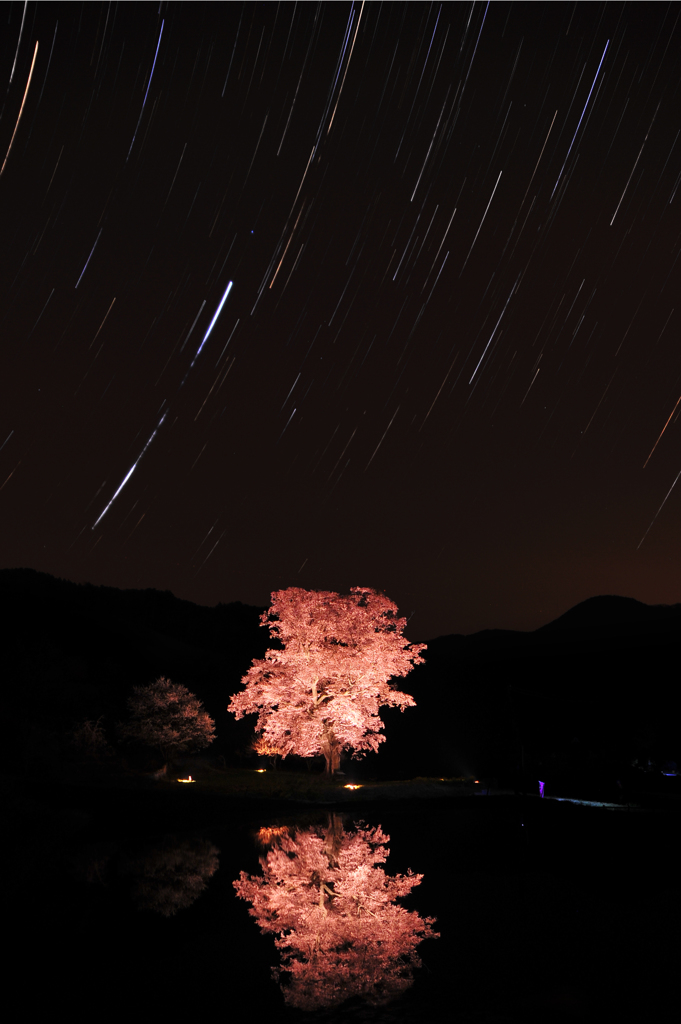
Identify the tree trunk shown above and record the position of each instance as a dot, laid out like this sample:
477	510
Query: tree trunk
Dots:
334	835
330	750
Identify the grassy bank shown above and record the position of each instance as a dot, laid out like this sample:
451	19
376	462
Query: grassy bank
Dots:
241	783
134	801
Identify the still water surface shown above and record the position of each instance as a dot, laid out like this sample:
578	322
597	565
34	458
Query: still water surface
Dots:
496	911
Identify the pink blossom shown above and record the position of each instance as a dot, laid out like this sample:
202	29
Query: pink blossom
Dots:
321	694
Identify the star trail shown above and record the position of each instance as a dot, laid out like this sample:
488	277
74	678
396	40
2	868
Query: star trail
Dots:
426	257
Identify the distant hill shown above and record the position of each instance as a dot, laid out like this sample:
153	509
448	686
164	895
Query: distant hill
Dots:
586	693
613	615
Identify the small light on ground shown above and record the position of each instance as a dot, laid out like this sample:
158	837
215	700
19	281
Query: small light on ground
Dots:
190	779
260	770
349	786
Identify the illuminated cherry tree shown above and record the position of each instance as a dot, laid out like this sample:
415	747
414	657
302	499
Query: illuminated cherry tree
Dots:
166	717
334	911
321	693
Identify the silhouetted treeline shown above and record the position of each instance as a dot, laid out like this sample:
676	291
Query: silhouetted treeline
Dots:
74	651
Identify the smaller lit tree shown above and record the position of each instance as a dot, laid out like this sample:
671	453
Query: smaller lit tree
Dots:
167	718
88	741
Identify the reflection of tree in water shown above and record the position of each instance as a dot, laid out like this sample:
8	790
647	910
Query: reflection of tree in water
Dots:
171	875
333	909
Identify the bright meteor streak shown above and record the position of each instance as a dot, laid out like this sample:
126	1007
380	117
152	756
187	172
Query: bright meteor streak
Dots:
131	470
158	425
217	314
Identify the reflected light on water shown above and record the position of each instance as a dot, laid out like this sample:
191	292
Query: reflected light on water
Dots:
335	916
268	835
170	874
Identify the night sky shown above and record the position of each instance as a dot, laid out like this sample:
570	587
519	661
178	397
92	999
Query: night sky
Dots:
451	342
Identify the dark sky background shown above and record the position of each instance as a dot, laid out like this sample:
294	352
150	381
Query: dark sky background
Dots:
452	337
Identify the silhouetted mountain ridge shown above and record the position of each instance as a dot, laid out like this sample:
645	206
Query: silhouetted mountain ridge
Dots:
592	624
594	684
614	613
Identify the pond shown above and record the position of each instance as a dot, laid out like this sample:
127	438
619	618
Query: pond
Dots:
507	909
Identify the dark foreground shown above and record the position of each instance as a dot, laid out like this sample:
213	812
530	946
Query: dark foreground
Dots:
546	911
